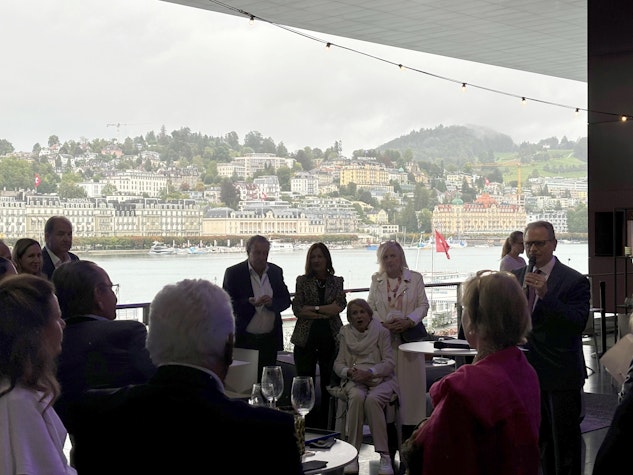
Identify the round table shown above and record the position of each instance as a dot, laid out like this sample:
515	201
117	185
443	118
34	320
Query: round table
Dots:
419	349
339	455
427	348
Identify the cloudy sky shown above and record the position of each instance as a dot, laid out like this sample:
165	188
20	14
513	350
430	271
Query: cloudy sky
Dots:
71	67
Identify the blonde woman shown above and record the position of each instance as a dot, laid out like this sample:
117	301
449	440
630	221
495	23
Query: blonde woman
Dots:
31	330
398	299
512	247
488	411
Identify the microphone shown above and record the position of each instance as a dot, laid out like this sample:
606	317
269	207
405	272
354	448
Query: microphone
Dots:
530	268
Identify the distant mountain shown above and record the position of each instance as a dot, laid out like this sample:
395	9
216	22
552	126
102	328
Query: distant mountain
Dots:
454	144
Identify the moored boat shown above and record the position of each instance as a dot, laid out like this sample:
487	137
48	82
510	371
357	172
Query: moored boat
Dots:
161	249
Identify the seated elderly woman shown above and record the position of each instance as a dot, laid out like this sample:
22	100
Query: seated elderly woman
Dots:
487	414
366	366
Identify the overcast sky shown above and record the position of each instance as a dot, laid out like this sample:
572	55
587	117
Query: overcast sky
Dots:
70	67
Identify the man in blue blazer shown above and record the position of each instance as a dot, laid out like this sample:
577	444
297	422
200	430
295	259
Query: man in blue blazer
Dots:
58	234
181	421
559	315
259	295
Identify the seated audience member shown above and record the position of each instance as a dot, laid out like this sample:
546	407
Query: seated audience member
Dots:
4	250
487	414
27	257
97	352
366	366
6	268
181	421
618	441
31	330
58	235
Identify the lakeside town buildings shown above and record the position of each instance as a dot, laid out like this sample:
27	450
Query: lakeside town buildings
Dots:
137	210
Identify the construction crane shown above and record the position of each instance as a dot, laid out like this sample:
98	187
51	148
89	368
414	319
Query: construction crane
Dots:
117	125
500	165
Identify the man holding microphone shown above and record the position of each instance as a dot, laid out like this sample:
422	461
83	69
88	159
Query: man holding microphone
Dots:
560	307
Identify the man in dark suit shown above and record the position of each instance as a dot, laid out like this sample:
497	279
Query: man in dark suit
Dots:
259	295
97	351
181	421
559	315
58	234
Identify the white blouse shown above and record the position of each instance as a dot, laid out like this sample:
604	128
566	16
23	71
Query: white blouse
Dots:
32	436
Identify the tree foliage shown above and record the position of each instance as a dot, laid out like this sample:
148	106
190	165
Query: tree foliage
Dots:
228	194
6	147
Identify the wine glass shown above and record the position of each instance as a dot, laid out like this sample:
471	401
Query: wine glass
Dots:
302	398
302	394
272	376
256	398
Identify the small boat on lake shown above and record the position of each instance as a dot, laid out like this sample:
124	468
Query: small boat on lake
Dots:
161	249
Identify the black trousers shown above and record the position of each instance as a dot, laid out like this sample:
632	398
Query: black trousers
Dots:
265	343
321	348
560	437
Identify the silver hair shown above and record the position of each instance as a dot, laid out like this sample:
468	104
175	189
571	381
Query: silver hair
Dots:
190	322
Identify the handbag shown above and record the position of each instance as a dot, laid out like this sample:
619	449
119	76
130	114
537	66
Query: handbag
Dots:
416	333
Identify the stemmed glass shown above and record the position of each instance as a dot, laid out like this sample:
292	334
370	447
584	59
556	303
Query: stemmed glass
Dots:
272	384
302	394
302	398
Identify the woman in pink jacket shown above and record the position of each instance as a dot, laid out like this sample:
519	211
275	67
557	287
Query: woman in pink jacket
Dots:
487	414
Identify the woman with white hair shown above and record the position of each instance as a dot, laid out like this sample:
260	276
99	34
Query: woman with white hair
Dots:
398	299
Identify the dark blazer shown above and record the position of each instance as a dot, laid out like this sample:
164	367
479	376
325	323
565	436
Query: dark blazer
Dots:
180	422
48	267
101	354
558	320
237	282
618	441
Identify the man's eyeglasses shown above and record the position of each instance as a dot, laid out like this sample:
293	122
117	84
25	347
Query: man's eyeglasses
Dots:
538	244
114	287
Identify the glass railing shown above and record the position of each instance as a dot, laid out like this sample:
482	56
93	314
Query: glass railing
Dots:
442	319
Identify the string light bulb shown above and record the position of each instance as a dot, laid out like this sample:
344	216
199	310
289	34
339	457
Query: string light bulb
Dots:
577	111
622	118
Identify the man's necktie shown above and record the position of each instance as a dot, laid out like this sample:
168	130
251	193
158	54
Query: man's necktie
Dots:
532	294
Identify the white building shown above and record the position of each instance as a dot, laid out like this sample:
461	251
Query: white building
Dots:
138	183
305	184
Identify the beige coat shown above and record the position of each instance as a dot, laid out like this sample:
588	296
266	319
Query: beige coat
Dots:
409	370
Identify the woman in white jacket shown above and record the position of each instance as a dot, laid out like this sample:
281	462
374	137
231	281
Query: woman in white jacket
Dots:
31	330
398	298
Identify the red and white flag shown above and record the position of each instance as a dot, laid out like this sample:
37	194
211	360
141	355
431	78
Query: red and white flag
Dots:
440	244
37	180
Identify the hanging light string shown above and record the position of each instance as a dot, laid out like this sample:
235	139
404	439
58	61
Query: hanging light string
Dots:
329	45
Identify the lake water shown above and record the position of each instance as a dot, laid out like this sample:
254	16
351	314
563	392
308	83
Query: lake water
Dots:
141	276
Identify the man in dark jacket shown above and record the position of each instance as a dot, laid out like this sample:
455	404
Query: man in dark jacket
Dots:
181	421
560	308
259	295
58	234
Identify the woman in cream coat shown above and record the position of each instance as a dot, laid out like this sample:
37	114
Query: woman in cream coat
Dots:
398	299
